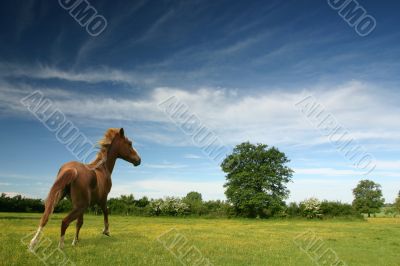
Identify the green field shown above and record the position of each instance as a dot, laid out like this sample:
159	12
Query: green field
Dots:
137	241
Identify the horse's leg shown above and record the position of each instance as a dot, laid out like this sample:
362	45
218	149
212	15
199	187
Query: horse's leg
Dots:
105	213
79	223
74	214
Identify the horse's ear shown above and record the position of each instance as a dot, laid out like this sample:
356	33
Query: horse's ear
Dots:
121	132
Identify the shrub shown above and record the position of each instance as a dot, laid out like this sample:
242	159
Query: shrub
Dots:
311	208
174	206
293	210
336	208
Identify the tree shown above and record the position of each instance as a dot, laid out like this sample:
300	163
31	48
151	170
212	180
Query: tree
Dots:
397	203
256	179
194	201
368	197
143	202
194	196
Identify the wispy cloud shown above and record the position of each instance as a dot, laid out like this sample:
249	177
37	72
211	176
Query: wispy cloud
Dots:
165	165
323	172
269	117
192	156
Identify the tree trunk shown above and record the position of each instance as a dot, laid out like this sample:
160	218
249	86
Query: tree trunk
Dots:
369	215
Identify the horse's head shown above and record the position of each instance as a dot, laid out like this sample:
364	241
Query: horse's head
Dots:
125	149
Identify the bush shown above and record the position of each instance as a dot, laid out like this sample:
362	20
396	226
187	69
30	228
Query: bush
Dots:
64	205
174	207
218	208
336	208
20	204
310	208
293	210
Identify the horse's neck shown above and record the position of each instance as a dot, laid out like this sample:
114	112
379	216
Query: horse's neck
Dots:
110	160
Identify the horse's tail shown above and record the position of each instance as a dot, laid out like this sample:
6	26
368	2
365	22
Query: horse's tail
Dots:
65	177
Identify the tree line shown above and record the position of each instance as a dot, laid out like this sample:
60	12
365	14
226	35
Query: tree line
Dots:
193	205
256	179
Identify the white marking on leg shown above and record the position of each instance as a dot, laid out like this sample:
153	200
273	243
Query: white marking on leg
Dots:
75	241
105	230
61	245
35	239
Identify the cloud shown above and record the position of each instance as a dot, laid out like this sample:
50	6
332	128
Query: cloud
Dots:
270	117
192	156
165	165
101	74
334	189
388	165
327	172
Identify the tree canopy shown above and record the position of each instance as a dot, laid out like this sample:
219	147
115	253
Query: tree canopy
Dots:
256	179
368	197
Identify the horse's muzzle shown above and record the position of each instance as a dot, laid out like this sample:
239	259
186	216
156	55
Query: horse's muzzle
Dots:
137	162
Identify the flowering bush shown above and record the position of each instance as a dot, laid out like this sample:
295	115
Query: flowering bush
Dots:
311	208
155	206
169	206
174	206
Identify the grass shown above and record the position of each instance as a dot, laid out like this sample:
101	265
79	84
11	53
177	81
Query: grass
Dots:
133	240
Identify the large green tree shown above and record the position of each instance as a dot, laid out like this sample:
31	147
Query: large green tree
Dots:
368	197
256	179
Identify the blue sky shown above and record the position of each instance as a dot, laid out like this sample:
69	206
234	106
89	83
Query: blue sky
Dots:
240	66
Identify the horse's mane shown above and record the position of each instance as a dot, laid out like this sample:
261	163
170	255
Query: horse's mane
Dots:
104	145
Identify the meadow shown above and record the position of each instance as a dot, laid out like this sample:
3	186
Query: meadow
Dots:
157	241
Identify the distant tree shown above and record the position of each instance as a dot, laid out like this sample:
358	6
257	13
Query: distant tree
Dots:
193	196
368	197
20	204
397	204
143	202
256	179
63	205
128	199
293	210
195	202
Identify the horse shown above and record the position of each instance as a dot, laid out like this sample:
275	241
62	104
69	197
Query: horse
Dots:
87	184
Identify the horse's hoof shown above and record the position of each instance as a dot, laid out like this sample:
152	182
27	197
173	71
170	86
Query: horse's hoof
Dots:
31	248
61	245
75	242
106	233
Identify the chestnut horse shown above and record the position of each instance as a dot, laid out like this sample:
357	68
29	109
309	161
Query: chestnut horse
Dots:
87	184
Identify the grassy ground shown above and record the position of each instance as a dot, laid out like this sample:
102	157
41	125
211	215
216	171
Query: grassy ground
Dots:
134	241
